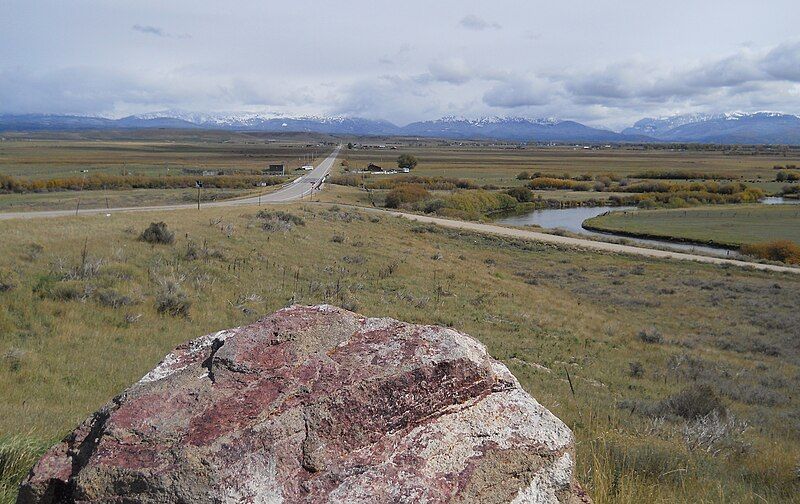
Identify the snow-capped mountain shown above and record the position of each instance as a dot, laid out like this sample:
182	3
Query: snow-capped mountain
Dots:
732	128
492	127
263	121
729	128
495	127
656	126
513	128
36	122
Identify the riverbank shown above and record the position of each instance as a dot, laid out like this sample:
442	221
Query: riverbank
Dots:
727	227
589	226
571	220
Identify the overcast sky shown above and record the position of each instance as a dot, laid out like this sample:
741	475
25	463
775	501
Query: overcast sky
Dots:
601	62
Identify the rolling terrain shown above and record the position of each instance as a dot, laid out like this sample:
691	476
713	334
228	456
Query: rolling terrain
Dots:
632	334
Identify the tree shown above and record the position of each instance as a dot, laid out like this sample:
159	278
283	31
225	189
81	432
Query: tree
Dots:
350	145
521	194
406	161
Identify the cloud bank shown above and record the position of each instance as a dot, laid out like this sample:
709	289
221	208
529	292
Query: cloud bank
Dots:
595	64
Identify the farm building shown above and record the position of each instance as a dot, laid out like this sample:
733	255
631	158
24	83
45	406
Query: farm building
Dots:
275	169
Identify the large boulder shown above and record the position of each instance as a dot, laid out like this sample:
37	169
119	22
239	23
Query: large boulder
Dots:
317	404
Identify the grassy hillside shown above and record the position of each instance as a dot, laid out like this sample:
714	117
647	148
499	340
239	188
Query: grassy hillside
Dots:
637	356
727	226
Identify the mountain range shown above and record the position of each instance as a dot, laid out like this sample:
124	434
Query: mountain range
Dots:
729	128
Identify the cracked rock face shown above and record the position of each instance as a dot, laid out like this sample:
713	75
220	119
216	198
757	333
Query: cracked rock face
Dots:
317	404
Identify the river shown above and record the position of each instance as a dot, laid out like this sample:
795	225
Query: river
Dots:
571	219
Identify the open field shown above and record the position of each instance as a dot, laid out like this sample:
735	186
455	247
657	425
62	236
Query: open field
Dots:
80	321
489	164
164	153
144	155
728	226
68	200
63	157
44	159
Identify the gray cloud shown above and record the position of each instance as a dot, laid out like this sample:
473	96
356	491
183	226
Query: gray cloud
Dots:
624	81
587	64
726	72
783	62
728	76
92	90
516	93
77	90
149	30
382	98
452	71
399	56
532	35
473	22
158	32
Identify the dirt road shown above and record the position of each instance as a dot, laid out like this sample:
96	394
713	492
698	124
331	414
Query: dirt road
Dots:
585	242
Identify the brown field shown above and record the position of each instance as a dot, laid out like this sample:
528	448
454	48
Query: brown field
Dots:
164	152
500	166
49	158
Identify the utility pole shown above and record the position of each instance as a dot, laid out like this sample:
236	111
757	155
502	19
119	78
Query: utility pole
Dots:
199	186
83	182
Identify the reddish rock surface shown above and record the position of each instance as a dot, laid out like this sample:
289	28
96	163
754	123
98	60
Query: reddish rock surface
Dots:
317	404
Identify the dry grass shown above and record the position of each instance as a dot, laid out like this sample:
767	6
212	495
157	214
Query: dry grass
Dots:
540	309
501	164
780	250
144	154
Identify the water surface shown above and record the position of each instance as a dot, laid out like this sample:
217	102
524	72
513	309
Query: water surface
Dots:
571	219
779	200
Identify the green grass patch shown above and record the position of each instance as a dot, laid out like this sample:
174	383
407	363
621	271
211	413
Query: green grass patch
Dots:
727	226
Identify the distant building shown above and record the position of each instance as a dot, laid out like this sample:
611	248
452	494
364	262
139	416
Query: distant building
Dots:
374	168
275	169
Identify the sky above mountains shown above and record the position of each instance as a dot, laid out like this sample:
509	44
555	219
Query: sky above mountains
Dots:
600	62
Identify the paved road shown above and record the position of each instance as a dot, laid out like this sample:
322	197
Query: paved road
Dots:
295	190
